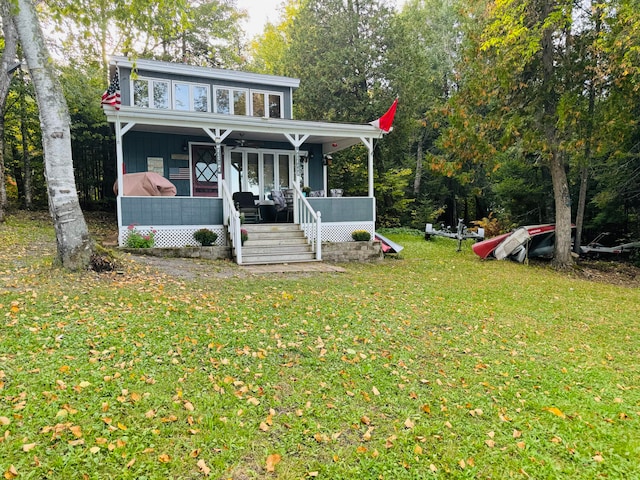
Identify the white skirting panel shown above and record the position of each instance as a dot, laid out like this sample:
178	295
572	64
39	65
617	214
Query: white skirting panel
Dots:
341	232
174	236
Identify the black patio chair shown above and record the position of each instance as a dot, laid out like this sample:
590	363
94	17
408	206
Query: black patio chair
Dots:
246	205
282	205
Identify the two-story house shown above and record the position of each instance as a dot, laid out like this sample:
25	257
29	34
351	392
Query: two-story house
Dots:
215	132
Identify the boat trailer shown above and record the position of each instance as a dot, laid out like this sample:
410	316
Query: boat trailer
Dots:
460	233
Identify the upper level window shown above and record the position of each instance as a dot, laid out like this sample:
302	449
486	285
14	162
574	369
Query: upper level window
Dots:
266	104
230	101
191	97
150	93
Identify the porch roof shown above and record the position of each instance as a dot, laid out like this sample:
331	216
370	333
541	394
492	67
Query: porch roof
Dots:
332	136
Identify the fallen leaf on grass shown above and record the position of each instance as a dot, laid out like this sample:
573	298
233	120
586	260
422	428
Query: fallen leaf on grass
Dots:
202	465
4	421
130	463
28	446
408	423
11	473
164	458
556	411
94	449
598	458
272	461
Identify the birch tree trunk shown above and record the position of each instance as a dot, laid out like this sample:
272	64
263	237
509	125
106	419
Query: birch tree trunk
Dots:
8	57
74	244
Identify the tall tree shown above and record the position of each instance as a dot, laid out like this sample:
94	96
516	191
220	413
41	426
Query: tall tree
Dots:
7	63
73	241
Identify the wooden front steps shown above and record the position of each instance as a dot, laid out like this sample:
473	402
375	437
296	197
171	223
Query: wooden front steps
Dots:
272	243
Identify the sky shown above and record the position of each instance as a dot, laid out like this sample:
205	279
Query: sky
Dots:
261	11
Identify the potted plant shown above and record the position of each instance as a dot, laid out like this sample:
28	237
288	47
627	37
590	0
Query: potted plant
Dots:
244	236
361	236
205	237
306	190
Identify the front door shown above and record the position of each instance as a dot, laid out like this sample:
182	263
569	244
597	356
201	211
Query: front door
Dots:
205	170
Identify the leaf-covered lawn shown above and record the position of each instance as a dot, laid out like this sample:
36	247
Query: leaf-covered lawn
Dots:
433	365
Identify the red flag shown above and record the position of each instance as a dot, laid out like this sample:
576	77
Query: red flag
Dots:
385	121
112	95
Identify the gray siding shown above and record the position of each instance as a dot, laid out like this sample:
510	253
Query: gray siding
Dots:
157	211
344	209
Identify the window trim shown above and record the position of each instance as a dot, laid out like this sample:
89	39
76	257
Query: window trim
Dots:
230	91
150	86
191	86
266	94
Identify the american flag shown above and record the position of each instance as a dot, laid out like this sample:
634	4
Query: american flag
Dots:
112	95
179	173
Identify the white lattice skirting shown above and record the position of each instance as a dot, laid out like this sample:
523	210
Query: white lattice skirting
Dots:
341	232
178	236
182	236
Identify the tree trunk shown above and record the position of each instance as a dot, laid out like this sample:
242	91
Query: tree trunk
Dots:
27	171
8	57
418	177
74	244
562	253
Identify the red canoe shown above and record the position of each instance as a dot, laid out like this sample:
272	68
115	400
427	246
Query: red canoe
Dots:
486	248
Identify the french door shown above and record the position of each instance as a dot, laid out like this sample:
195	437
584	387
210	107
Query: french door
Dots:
259	171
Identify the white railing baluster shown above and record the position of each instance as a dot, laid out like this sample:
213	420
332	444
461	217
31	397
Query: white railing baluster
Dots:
232	216
310	220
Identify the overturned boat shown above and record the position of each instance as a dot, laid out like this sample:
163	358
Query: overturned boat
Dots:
525	242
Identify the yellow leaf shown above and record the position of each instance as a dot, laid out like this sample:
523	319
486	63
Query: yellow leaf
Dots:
517	434
64	369
408	423
4	421
272	461
136	397
164	458
131	462
74	443
521	445
94	449
556	411
202	465
313	474
195	453
76	430
433	468
264	427
462	464
28	446
150	414
490	443
365	420
361	449
417	450
11	473
189	406
426	408
375	391
122	426
598	458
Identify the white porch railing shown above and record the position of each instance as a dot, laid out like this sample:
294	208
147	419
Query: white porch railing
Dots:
310	221
231	218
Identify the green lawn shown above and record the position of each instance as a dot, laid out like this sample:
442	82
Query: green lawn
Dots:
432	365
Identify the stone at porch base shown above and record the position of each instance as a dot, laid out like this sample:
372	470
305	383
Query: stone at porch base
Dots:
208	253
352	252
331	252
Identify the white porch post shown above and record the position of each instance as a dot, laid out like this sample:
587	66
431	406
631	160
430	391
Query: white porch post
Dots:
296	140
218	138
120	131
369	144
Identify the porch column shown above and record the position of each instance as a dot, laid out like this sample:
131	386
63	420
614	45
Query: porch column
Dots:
368	142
120	131
218	138
296	140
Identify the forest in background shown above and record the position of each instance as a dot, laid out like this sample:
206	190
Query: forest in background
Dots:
491	94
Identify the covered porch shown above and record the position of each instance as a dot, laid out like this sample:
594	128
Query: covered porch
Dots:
208	157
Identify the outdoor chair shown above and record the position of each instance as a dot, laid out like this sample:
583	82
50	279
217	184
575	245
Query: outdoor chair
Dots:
281	204
316	193
246	205
336	192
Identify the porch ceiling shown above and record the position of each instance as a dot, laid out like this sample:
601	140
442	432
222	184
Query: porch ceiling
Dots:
333	136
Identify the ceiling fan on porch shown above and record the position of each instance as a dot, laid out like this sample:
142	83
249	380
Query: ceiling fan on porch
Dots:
243	143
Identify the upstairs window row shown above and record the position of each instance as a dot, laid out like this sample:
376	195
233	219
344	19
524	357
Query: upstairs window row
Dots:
196	97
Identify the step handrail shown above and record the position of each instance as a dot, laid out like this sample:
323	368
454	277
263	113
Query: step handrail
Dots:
310	220
231	218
